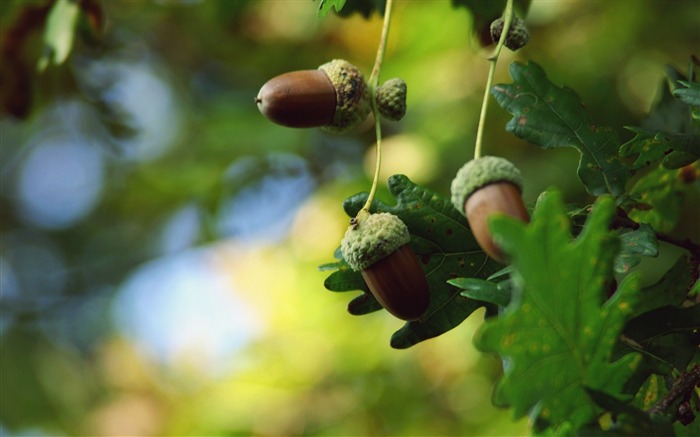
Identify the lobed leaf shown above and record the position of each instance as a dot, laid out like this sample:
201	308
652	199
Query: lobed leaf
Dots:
651	145
442	241
550	116
633	245
558	332
661	196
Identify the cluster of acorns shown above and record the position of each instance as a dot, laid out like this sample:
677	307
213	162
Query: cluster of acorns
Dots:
336	98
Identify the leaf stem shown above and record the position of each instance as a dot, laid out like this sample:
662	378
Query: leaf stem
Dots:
372	83
493	59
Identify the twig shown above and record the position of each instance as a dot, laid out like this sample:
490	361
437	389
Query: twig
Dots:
681	388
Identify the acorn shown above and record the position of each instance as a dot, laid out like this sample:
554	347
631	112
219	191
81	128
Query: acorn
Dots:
518	35
484	187
391	99
335	97
377	246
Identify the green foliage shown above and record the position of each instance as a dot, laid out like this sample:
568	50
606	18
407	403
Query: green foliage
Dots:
550	116
325	6
633	245
348	7
660	194
441	239
558	332
676	149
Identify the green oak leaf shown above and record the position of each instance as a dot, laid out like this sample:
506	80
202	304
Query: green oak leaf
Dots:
557	335
441	239
651	145
633	245
661	193
550	116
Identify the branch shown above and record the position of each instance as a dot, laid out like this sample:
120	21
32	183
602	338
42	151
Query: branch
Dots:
682	388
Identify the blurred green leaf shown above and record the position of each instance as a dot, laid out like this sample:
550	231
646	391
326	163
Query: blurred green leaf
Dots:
483	290
690	94
442	240
346	8
550	116
325	6
661	195
557	334
633	245
670	290
654	144
59	33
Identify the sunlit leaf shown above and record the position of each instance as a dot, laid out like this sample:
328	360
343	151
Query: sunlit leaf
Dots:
551	116
633	245
652	145
558	332
441	239
325	6
59	33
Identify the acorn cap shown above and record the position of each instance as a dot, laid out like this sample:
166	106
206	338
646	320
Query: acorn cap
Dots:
480	172
352	95
372	237
391	99
518	35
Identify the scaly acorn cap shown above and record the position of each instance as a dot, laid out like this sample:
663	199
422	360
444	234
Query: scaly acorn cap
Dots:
353	103
391	99
481	172
371	237
518	35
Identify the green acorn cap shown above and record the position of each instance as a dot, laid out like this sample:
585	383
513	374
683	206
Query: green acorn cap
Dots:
481	172
518	35
353	103
371	237
391	99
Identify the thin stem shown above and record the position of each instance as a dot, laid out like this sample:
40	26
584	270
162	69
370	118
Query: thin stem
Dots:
508	19
372	83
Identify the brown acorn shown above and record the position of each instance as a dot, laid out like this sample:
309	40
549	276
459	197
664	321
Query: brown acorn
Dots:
335	97
484	187
377	246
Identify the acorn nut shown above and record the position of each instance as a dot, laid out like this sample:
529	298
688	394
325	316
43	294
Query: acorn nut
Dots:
335	97
518	35
484	187
391	99
377	246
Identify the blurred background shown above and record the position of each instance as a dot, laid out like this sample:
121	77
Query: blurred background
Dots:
160	238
